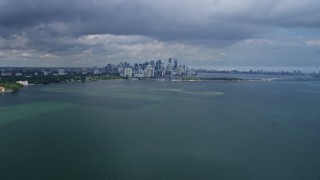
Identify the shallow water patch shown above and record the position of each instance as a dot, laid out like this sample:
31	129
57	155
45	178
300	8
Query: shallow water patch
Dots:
19	112
181	91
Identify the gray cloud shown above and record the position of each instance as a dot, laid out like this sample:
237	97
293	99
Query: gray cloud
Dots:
63	28
173	20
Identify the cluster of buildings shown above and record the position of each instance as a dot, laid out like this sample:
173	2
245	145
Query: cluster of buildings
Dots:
28	72
149	69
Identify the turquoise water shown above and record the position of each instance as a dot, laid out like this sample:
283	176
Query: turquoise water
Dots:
161	130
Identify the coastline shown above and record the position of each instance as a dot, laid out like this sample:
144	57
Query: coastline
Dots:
8	87
6	91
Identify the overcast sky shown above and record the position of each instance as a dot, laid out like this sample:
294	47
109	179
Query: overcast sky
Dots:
212	33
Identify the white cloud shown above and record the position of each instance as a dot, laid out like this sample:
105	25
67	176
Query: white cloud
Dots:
312	43
108	39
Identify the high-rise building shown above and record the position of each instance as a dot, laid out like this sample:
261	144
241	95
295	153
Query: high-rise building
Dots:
109	68
127	72
175	65
149	72
158	65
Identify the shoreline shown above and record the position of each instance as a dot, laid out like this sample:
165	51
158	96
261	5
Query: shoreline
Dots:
6	91
17	87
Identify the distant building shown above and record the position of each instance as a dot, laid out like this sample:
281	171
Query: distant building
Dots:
109	68
46	73
61	72
168	73
23	82
149	72
120	70
96	72
174	73
6	74
158	65
138	75
175	65
18	74
169	67
127	72
182	70
159	73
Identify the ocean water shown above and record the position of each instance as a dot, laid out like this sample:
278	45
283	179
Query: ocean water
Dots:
161	130
258	76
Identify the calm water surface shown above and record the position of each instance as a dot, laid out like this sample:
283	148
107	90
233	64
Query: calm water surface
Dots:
161	130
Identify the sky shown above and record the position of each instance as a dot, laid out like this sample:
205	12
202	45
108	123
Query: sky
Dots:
199	33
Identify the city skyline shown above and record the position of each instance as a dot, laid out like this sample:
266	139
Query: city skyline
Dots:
247	33
147	69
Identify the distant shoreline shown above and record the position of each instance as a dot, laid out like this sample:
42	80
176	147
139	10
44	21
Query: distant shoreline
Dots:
6	91
6	87
44	80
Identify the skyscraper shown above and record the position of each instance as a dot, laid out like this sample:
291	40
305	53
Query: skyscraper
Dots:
175	65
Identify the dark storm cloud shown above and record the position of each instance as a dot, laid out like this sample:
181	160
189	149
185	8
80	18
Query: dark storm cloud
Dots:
166	22
80	17
20	14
